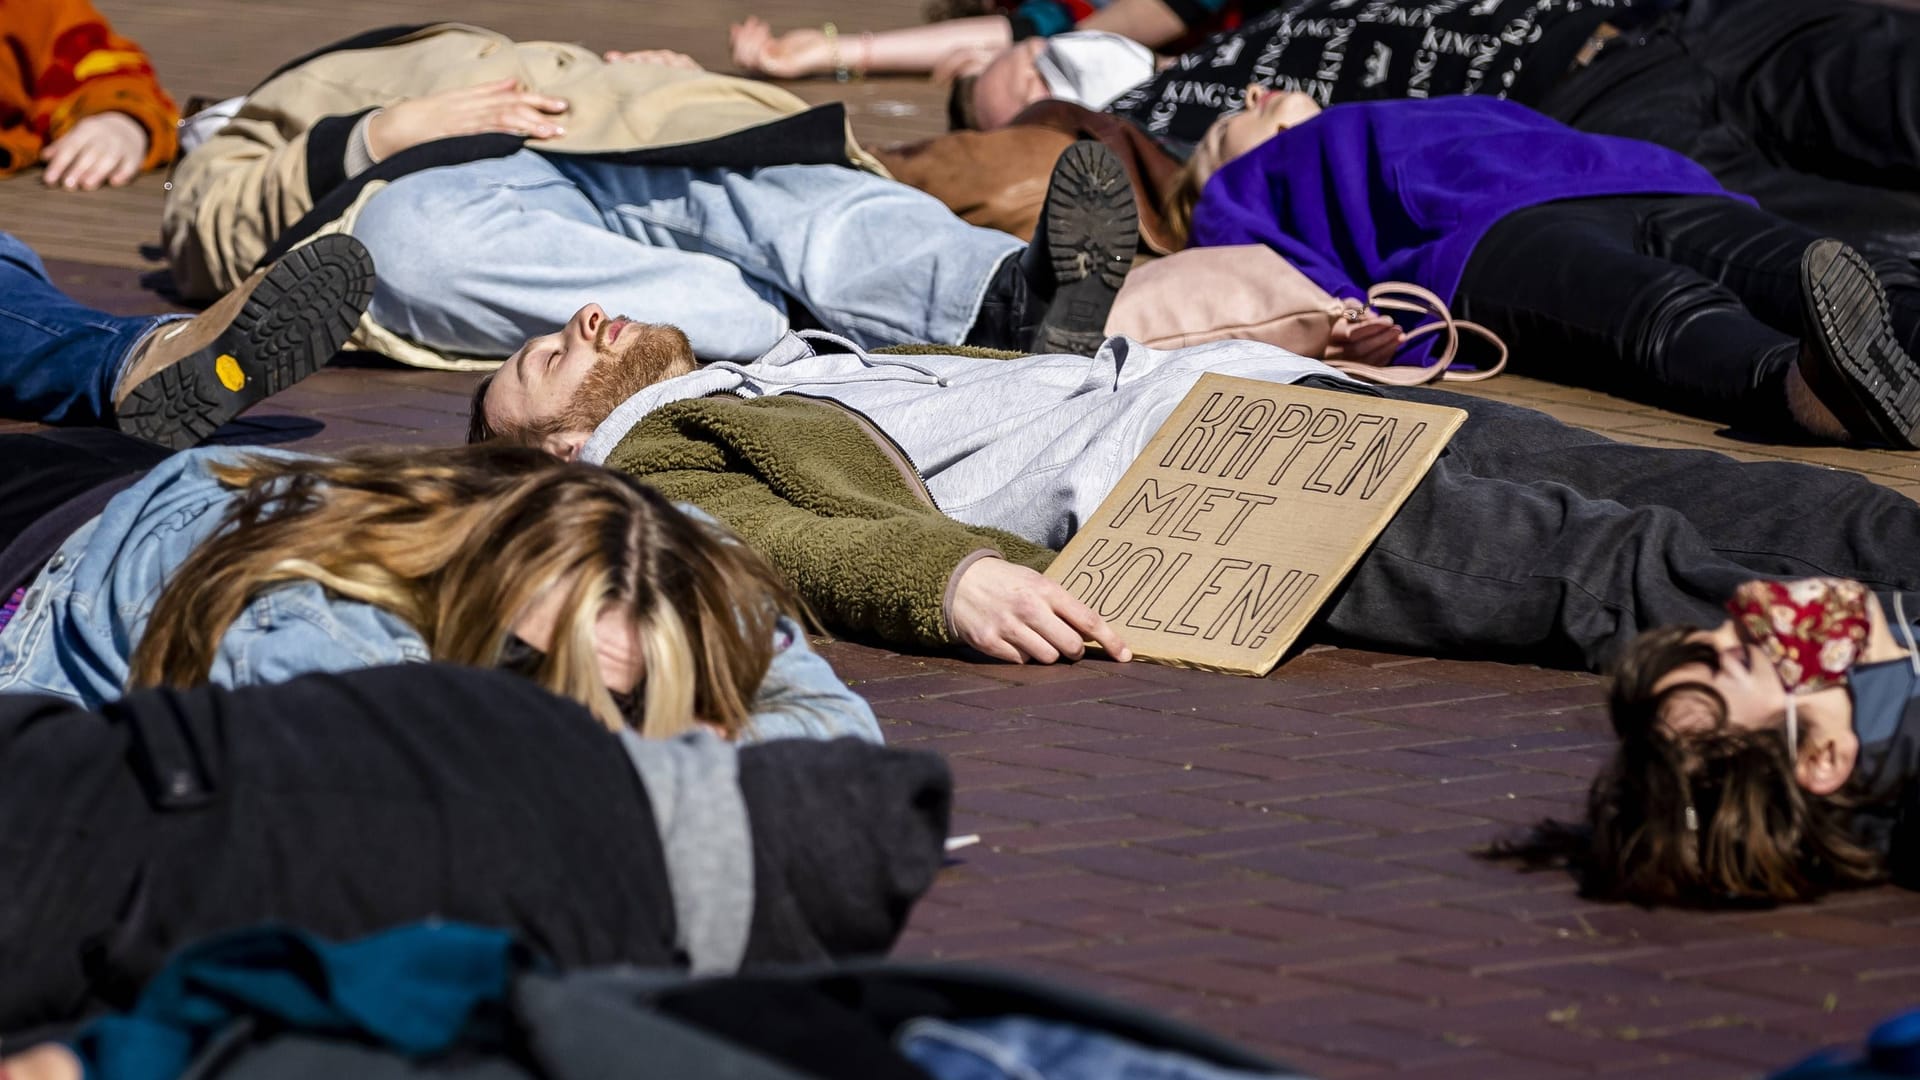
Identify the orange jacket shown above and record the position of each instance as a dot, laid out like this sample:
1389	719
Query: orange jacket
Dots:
60	62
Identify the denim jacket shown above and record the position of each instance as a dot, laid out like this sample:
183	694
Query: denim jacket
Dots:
76	630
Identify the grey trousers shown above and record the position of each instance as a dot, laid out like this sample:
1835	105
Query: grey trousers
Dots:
1536	541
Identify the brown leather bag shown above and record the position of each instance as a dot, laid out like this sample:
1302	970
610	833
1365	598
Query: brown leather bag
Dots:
993	179
998	179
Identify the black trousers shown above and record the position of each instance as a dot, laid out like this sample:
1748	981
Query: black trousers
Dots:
52	482
41	470
1534	541
1687	302
1810	106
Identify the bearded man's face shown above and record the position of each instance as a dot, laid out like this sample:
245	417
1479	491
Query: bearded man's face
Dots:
570	380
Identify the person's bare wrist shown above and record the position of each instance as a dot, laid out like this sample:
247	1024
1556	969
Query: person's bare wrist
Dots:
953	586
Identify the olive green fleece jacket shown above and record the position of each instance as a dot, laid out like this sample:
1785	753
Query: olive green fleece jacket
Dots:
804	482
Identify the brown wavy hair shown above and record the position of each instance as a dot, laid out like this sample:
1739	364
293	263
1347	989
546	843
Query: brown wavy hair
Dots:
1709	820
1177	206
458	543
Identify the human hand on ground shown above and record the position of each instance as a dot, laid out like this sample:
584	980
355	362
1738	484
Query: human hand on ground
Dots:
1012	613
500	105
105	148
1371	339
660	57
791	55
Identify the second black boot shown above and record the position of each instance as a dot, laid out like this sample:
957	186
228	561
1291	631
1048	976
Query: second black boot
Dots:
1055	296
1852	359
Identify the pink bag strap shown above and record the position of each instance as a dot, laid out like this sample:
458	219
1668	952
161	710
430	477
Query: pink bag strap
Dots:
1406	296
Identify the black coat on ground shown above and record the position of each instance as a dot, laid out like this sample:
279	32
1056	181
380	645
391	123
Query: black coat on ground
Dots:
344	804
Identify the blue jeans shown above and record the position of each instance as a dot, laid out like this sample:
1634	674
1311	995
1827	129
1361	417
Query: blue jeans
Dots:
1026	1048
476	258
59	360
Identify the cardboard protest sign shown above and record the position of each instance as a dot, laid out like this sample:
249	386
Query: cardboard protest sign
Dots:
1246	509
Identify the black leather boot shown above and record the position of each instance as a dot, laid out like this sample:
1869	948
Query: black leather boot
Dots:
1852	359
1054	297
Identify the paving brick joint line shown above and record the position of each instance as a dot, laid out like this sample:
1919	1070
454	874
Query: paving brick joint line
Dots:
1283	861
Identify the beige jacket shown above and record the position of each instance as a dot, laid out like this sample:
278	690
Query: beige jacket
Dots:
234	195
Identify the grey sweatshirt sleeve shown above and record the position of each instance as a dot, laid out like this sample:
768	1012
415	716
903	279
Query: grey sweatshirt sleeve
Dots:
693	785
359	155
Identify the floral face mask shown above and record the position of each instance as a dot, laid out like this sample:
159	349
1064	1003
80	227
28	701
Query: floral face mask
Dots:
1812	630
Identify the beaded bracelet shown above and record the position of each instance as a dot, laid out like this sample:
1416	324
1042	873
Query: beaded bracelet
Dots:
840	70
833	51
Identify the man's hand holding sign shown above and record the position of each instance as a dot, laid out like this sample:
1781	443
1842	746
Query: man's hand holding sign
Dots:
1247	509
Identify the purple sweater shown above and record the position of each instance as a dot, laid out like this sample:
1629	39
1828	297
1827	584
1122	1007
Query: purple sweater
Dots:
1403	190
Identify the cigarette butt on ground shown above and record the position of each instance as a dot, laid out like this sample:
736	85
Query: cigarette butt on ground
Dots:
955	843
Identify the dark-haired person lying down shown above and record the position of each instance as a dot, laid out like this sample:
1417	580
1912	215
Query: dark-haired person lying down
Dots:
1771	756
496	180
916	497
344	804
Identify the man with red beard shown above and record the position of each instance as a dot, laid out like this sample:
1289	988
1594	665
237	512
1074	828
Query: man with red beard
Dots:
915	497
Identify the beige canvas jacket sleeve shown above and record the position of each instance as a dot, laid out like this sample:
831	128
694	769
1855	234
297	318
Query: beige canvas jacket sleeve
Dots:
234	195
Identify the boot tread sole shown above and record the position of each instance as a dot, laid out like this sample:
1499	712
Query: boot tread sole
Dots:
297	317
1849	316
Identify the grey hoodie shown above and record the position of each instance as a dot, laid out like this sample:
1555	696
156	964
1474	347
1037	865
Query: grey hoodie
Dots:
1031	446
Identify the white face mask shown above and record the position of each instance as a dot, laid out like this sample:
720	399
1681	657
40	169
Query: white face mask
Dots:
1090	68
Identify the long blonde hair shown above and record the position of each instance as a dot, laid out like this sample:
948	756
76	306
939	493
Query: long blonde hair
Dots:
459	543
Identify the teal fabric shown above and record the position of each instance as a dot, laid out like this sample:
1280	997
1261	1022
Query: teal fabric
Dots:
415	990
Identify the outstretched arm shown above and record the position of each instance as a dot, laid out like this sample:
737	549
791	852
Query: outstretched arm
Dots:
810	51
883	576
1150	22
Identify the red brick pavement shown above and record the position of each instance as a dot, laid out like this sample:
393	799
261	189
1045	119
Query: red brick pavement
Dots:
1286	860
